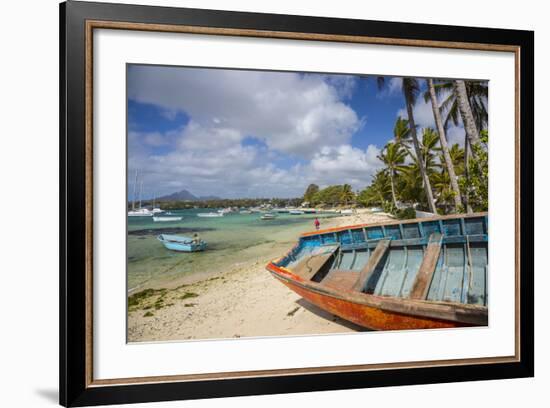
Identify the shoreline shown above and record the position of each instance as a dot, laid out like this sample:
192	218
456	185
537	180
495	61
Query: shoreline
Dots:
243	300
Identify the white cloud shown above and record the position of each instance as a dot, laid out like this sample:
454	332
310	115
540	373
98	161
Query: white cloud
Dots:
391	87
345	164
290	112
298	117
423	114
455	134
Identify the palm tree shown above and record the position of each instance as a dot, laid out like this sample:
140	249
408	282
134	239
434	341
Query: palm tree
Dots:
347	194
477	91
410	92
457	156
402	132
429	148
444	146
466	112
393	156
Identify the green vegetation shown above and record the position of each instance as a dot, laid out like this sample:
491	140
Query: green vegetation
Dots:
148	314
432	176
224	203
188	295
311	190
138	299
332	196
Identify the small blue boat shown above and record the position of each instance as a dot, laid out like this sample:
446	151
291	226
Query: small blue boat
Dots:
181	244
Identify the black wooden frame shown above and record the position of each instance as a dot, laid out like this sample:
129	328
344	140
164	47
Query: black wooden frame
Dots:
73	388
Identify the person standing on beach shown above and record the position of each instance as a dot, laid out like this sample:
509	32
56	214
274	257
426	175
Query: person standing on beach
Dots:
317	223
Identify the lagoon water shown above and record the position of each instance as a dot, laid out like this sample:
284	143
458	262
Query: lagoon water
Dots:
232	239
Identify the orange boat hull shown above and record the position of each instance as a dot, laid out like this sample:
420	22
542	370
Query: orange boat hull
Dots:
363	315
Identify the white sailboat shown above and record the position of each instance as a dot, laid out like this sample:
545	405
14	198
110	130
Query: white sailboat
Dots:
138	212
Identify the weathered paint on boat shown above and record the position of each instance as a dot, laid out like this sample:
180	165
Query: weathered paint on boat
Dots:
417	274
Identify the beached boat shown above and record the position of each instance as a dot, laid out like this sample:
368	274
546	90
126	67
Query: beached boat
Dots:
166	219
346	212
210	214
414	274
268	216
295	212
181	244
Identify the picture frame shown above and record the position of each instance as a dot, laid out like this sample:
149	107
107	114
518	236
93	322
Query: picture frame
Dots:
78	20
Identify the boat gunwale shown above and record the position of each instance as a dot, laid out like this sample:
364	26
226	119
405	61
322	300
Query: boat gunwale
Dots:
390	304
394	222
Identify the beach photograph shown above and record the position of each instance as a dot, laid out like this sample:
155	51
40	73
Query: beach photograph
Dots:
275	203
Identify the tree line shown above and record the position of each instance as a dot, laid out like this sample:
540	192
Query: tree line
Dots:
420	169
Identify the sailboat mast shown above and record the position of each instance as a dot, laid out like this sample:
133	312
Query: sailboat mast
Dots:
140	191
134	194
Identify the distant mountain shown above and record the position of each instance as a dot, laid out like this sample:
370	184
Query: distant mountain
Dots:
185	195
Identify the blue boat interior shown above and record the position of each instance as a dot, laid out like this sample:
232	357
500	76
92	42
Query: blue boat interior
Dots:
395	260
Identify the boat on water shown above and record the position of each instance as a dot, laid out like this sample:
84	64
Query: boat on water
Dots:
283	210
309	211
166	219
140	212
210	214
245	212
295	212
268	216
182	244
414	274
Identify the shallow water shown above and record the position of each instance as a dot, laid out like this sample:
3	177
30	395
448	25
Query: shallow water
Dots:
232	239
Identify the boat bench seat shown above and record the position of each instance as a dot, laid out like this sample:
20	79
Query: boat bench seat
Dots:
341	279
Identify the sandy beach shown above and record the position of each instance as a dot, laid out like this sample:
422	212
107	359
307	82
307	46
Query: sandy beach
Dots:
242	301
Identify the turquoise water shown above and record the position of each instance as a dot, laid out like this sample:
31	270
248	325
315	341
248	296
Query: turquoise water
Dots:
232	240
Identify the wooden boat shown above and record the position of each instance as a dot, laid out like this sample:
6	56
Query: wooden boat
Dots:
181	244
166	218
415	274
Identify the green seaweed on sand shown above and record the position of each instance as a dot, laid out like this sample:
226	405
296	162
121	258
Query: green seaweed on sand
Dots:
188	295
148	314
137	300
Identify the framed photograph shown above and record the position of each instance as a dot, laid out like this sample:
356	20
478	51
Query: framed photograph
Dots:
256	204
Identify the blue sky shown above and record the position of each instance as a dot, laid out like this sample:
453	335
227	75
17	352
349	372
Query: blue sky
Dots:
238	133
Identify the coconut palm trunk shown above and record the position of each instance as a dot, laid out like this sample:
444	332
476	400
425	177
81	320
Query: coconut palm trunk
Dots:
466	112
392	183
444	146
409	102
467	174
